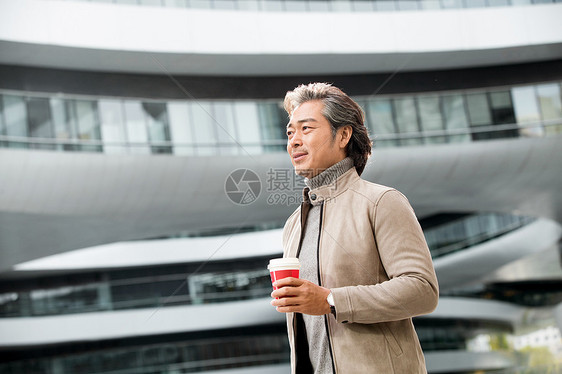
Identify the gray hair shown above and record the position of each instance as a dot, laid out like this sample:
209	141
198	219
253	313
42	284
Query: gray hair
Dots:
340	110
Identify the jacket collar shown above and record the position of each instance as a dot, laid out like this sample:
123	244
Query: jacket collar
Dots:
327	192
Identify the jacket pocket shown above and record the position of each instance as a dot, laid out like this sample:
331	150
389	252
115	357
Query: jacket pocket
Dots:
390	339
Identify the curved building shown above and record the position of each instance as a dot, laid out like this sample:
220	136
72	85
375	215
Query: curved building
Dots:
143	179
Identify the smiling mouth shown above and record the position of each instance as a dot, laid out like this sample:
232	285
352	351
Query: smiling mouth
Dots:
299	156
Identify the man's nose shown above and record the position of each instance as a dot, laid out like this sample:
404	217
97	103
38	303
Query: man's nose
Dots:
295	141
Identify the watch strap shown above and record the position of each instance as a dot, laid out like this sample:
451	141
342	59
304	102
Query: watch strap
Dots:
330	300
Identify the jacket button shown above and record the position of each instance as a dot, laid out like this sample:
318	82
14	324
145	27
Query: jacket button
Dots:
313	196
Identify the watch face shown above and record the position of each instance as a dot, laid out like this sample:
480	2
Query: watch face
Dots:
330	299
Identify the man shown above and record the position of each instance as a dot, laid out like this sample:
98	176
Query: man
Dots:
366	269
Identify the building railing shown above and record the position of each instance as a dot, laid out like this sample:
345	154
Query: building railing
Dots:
182	288
535	129
471	231
138	292
192	356
325	5
111	125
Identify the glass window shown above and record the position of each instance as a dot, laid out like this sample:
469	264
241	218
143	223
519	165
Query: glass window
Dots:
478	113
430	4
502	108
151	2
71	299
39	118
226	128
318	5
157	126
63	122
12	304
39	121
526	108
502	114
272	5
498	2
200	4
478	109
382	5
551	107
136	127
431	119
408	4
61	110
475	3
176	3
204	126
407	121
88	124
112	126
455	118
224	4
213	287
2	124
181	128
248	124
448	4
273	120
380	122
15	115
139	294
295	5
248	4
342	5
15	118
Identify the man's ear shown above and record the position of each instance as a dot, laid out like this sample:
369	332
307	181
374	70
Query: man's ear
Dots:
344	135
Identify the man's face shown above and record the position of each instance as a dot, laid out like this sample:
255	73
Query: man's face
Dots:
311	144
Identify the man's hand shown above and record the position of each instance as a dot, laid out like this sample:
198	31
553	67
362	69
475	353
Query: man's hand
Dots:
301	296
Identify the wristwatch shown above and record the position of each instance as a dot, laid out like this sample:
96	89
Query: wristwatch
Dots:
330	300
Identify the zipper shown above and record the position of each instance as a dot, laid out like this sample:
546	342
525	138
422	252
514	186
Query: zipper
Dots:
304	215
320	284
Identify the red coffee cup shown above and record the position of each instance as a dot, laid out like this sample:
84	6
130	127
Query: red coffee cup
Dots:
280	268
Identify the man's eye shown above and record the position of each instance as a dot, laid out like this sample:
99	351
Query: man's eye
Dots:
289	133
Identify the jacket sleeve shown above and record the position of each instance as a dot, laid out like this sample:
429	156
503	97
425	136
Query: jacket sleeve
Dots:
412	286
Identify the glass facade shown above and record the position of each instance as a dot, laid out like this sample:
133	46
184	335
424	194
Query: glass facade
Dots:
244	348
183	353
155	287
550	106
201	351
327	5
147	287
454	334
531	293
220	281
238	127
471	230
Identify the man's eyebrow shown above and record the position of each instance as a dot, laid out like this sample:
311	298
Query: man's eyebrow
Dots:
304	120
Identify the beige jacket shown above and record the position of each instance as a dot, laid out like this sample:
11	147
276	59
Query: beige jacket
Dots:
373	256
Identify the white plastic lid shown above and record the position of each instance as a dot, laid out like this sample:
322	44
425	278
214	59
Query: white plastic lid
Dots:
284	263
